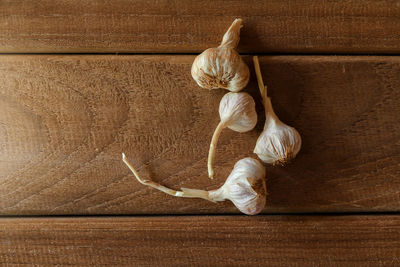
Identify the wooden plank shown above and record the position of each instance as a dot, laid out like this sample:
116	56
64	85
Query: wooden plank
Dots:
305	26
64	121
205	241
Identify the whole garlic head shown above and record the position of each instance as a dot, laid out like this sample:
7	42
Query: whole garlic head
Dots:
245	187
222	66
237	112
278	143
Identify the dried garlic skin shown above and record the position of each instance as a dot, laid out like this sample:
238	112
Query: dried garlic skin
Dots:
278	143
245	187
238	111
222	66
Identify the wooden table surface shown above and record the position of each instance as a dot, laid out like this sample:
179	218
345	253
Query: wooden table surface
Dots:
82	81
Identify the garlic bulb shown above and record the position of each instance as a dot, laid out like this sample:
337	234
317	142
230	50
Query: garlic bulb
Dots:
245	187
278	143
222	66
237	112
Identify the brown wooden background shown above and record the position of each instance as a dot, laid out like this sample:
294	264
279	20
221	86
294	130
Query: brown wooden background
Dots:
83	81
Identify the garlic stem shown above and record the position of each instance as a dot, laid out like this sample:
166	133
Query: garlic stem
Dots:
213	145
261	86
263	90
232	36
151	183
186	192
196	193
269	111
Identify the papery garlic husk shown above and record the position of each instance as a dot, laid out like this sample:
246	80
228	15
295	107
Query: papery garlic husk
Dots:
237	112
245	187
222	66
278	143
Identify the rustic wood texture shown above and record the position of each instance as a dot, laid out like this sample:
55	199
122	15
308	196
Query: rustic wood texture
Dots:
64	121
191	26
202	241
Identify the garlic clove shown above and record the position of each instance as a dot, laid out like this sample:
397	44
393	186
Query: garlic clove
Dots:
278	143
237	112
245	187
222	66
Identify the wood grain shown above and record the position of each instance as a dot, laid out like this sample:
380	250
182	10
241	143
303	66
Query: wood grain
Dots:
304	26
64	121
202	241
